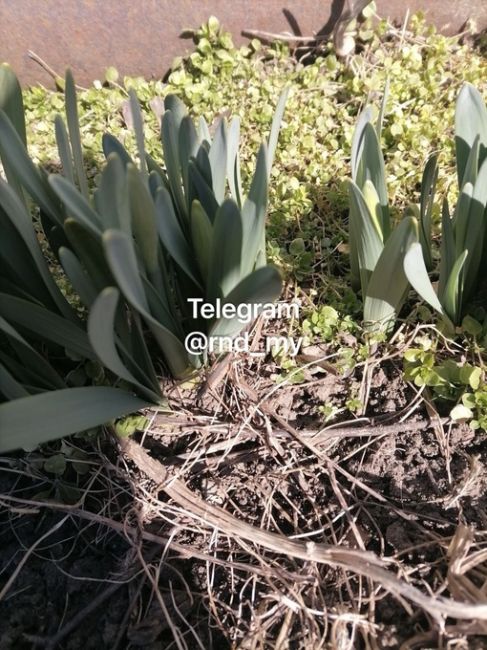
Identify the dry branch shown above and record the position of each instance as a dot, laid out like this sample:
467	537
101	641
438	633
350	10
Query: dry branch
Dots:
363	563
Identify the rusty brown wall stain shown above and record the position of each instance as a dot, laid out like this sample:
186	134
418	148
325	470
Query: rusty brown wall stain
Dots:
141	37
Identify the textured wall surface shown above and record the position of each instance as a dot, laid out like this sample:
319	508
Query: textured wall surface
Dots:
142	36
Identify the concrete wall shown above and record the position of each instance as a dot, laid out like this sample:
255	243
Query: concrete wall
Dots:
141	37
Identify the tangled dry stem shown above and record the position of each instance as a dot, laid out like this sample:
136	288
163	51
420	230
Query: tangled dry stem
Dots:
272	525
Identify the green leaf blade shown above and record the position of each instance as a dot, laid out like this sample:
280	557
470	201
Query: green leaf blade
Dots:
388	285
30	421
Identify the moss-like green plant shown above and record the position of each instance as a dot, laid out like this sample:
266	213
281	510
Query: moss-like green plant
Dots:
449	381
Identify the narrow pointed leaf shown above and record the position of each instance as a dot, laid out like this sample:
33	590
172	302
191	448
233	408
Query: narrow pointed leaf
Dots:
475	234
172	236
226	253
9	386
382	110
364	237
76	204
123	263
201	191
470	121
177	107
155	182
11	101
89	250
111	197
18	266
447	248
32	360
372	200
452	294
388	284
111	145
354	226
428	188
371	167
137	350
472	164
233	161
14	154
31	421
263	286
188	147
64	148
143	219
80	281
203	164
117	245
44	324
275	128
364	118
218	160
101	323
139	131
416	273
12	104
160	309
254	212
202	238
74	133
169	137
462	222
15	210
203	130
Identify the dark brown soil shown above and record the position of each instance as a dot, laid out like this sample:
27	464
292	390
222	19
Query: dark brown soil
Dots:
60	579
398	489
